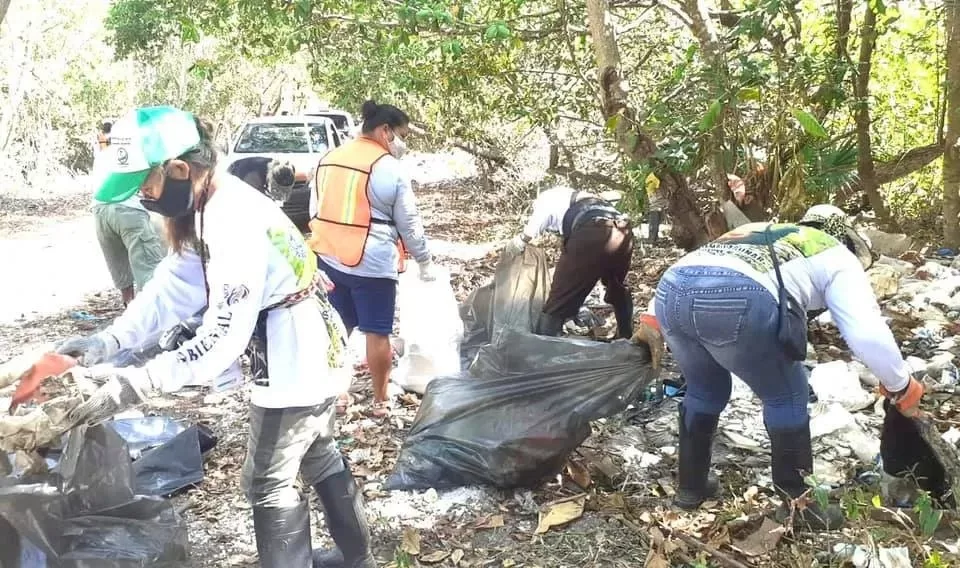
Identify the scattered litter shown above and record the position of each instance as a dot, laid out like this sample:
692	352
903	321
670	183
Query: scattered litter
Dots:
836	382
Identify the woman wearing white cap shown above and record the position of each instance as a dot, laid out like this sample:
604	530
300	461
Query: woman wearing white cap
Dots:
239	257
738	305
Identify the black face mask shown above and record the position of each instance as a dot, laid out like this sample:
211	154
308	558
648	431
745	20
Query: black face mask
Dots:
175	201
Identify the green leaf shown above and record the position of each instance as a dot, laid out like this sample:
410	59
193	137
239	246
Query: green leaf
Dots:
491	33
709	120
425	14
611	124
749	94
877	502
809	123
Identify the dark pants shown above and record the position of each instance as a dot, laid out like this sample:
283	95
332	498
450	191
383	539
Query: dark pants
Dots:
363	303
597	250
716	321
653	221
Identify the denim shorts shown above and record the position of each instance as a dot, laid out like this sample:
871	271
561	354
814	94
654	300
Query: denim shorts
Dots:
363	303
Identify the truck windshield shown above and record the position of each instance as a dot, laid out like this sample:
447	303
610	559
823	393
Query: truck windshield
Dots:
282	138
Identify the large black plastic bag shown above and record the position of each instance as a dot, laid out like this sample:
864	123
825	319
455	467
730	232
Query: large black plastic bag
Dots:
514	420
85	514
513	300
168	455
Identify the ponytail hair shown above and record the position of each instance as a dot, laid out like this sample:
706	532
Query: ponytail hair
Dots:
375	115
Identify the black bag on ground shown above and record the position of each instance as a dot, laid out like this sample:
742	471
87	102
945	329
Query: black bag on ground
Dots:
525	405
905	453
85	513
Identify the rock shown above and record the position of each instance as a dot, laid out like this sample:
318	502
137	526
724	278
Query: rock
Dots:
889	244
885	281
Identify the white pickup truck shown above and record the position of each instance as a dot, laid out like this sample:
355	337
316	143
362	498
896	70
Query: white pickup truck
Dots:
299	139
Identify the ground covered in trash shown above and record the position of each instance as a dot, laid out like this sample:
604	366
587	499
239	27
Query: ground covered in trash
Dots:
610	506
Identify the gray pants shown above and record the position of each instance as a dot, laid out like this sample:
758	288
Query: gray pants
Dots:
284	442
130	243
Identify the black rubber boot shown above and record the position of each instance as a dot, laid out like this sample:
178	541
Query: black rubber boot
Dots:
624	315
792	459
343	506
695	484
549	325
283	535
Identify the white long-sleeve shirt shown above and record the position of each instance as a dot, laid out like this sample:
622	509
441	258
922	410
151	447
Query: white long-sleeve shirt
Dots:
548	210
256	258
831	279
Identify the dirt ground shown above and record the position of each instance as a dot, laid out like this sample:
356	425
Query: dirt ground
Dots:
59	286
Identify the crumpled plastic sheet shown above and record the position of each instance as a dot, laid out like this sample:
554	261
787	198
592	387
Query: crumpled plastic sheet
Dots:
87	514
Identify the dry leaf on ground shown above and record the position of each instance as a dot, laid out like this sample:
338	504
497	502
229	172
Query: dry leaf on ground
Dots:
761	541
435	557
490	522
410	543
579	474
560	513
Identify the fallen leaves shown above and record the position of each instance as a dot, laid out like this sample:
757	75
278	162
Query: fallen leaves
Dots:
410	543
560	513
489	522
435	557
579	474
762	541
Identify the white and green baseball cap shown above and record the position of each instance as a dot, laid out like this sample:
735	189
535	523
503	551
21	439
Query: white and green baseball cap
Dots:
140	141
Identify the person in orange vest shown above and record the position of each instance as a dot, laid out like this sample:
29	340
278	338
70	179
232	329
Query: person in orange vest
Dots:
364	221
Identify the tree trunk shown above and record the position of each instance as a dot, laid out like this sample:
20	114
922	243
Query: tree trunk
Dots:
636	145
951	156
865	166
704	30
899	166
4	6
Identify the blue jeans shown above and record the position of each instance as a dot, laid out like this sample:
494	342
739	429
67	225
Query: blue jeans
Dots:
716	321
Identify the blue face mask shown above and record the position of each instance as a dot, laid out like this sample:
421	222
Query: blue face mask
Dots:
175	201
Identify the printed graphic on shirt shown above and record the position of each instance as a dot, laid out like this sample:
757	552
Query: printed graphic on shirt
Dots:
298	255
235	294
749	244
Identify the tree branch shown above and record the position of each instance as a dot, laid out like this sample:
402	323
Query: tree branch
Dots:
580	177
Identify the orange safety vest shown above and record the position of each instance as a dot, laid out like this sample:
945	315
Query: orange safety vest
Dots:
342	223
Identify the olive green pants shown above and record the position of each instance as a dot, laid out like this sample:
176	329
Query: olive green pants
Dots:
130	243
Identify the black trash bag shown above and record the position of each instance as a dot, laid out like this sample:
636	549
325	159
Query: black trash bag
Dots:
167	455
514	299
95	471
906	454
144	532
86	515
166	469
513	420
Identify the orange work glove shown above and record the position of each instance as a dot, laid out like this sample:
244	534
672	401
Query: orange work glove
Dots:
49	365
647	332
907	400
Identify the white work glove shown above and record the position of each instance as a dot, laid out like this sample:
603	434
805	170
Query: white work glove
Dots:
515	246
428	271
122	388
90	350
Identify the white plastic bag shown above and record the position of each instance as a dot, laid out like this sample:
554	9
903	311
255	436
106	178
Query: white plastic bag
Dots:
430	328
